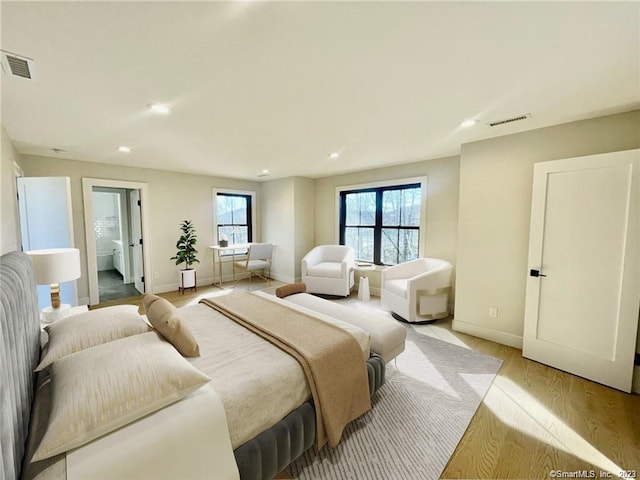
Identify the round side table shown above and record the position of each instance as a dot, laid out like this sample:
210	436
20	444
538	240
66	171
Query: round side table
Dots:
364	293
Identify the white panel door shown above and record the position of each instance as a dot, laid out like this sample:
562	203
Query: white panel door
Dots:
583	290
44	204
136	244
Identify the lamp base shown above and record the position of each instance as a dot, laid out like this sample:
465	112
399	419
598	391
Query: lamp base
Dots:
50	314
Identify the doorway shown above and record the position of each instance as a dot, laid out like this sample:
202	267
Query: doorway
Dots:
112	224
44	206
115	226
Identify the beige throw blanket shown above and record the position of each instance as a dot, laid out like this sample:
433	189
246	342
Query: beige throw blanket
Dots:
330	357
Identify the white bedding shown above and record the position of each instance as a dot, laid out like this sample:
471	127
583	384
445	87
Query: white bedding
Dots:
187	439
258	383
262	384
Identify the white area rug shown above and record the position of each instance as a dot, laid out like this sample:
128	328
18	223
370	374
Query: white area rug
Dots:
418	417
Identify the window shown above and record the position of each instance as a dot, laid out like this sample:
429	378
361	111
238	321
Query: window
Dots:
234	219
382	224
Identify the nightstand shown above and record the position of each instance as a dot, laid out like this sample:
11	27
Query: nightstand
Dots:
48	317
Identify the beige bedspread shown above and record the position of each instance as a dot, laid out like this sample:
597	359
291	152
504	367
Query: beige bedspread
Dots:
257	382
330	357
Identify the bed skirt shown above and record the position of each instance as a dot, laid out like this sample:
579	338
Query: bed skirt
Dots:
267	454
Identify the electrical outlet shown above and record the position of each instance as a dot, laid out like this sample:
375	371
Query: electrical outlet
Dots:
493	312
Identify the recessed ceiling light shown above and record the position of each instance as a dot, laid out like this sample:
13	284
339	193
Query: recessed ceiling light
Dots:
265	172
124	149
158	108
334	155
468	123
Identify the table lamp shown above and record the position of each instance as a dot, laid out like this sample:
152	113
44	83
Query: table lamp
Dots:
52	267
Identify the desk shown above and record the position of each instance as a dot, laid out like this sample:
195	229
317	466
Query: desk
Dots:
219	252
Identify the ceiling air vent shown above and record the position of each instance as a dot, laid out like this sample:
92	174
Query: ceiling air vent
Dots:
17	65
509	120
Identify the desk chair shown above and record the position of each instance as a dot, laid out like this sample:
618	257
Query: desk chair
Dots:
258	259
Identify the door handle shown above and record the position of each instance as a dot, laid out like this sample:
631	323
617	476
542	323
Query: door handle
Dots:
132	244
536	273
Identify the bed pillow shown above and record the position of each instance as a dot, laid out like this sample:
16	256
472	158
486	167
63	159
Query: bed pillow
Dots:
88	329
290	289
165	318
101	389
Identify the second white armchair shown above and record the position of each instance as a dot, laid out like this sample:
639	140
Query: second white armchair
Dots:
417	291
328	269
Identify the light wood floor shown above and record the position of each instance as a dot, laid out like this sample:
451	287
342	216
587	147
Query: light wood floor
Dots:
534	420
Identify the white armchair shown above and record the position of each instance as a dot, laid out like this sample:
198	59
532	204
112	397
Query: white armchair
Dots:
328	269
417	291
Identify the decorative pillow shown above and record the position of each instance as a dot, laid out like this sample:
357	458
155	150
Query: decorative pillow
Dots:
101	389
165	318
88	329
290	289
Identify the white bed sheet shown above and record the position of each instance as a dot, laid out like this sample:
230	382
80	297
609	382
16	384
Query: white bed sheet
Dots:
258	383
188	439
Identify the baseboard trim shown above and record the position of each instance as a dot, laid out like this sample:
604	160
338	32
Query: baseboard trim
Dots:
282	278
169	287
172	287
516	342
497	336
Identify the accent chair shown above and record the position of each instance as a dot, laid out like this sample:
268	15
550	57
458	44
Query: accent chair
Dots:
328	269
417	291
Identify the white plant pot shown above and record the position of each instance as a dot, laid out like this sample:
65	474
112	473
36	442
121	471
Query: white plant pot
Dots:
186	278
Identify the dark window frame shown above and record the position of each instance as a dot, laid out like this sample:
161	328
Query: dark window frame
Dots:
249	198
378	225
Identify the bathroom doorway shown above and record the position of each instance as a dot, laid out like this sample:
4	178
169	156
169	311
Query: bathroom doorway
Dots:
112	223
115	226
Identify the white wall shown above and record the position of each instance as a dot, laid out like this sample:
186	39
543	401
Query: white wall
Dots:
304	215
173	197
442	204
10	226
287	211
106	217
495	204
278	220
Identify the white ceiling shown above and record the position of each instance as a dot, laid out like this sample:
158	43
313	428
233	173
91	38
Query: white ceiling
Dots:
281	85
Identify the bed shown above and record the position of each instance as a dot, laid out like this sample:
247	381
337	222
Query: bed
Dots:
257	454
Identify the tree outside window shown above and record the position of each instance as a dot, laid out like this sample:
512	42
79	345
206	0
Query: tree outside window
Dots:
382	224
234	217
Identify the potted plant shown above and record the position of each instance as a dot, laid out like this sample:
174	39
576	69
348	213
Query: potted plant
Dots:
186	254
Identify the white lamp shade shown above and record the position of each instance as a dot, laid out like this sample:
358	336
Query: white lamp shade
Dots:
55	265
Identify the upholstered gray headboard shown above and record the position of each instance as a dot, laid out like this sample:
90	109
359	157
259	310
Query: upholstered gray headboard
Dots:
19	354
